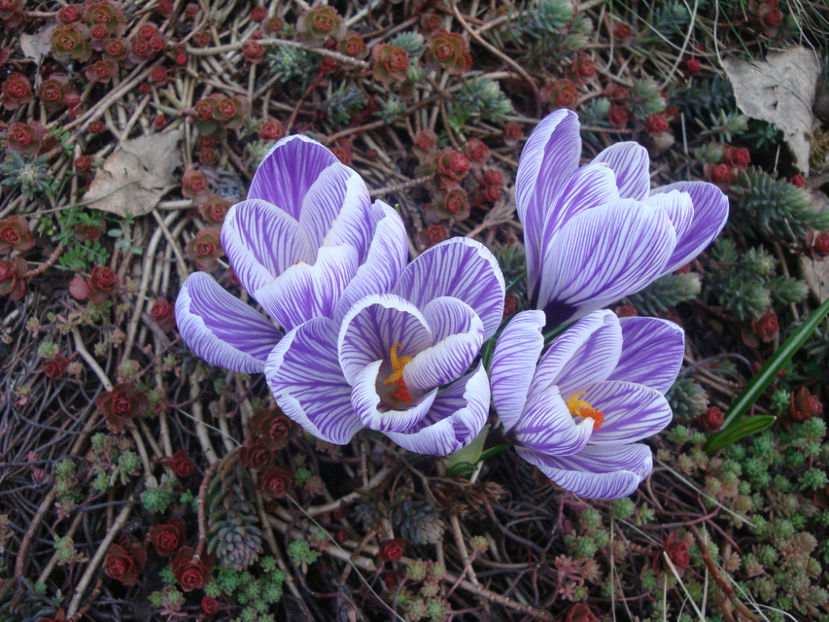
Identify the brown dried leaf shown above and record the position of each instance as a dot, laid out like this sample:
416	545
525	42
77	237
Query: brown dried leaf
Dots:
38	45
779	90
136	175
816	271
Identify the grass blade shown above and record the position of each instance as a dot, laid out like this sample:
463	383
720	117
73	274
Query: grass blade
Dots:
739	430
768	372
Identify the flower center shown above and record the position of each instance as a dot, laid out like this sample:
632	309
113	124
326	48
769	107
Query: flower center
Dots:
396	376
583	409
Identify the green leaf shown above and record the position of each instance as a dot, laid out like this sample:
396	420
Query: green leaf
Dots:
739	430
768	372
466	457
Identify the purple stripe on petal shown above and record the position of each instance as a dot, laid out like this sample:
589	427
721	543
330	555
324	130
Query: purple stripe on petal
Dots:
462	268
287	172
373	325
387	256
605	253
572	340
355	223
458	334
547	426
306	380
303	292
261	242
652	351
220	328
377	416
339	195
631	411
588	187
630	164
513	363
710	216
678	207
458	414
596	473
549	157
595	358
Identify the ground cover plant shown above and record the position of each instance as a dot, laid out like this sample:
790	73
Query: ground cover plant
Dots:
188	373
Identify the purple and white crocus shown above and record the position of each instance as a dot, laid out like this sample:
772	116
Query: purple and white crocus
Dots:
306	243
399	362
598	232
578	411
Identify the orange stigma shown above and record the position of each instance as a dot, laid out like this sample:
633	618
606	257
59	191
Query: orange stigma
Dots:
583	409
396	376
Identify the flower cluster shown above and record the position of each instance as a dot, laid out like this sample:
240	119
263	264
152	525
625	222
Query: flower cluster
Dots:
13	277
217	113
15	235
101	284
391	63
16	91
124	563
25	138
319	24
448	51
122	403
358	337
725	162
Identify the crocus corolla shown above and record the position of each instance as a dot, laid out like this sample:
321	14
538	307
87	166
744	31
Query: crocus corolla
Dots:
399	362
598	232
577	411
307	242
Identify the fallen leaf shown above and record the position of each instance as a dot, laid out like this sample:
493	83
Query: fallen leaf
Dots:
38	45
816	271
780	90
136	175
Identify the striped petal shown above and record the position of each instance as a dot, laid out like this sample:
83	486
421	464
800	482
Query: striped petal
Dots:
631	411
677	205
513	362
549	157
590	186
547	426
458	334
261	242
586	352
306	291
458	267
387	255
335	210
710	216
305	377
601	255
287	172
457	416
652	352
630	163
374	414
373	325
596	472
220	328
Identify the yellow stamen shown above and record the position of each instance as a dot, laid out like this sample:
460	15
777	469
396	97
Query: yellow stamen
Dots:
583	409
397	364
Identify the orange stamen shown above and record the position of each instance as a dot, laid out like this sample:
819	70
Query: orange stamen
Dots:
396	376
583	409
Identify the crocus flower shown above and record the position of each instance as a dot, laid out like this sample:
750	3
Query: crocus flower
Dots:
307	242
598	232
577	412
399	362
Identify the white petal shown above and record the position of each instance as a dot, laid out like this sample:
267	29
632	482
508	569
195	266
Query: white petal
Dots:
513	365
